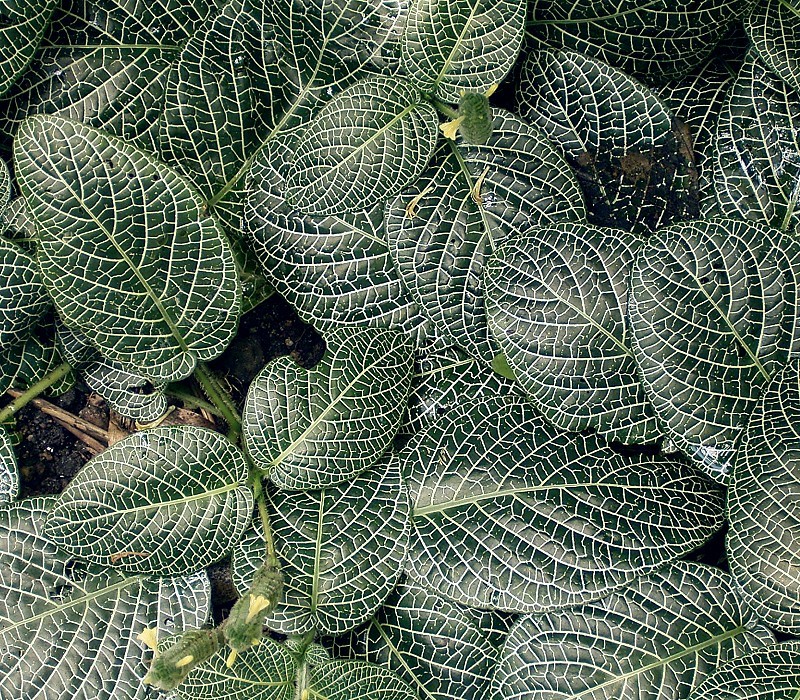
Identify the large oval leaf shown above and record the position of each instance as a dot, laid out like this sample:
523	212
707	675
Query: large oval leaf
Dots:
23	298
694	624
22	26
450	46
65	635
336	270
634	165
772	673
366	145
465	205
761	505
659	39
757	158
557	301
510	514
346	680
264	672
127	251
313	428
164	501
342	550
257	69
435	646
714	308
774	29
105	63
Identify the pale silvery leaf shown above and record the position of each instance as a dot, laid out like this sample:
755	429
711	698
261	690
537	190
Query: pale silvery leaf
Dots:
105	63
341	550
258	69
364	146
9	475
127	250
714	312
347	680
772	673
164	501
335	270
757	160
22	26
310	428
509	513
264	672
654	38
17	224
68	636
557	301
432	644
761	504
451	46
634	164
470	199
23	298
774	30
126	392
693	621
26	362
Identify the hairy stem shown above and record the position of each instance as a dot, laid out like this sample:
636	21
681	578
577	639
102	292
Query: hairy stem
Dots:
258	494
191	401
445	109
32	392
220	398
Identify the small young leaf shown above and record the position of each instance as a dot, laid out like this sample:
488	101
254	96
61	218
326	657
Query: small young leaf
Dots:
163	501
313	428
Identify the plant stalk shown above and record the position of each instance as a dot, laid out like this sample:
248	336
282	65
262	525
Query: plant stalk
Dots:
445	109
258	495
220	398
35	390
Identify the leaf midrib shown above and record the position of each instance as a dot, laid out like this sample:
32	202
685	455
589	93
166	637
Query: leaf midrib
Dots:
686	651
457	46
478	498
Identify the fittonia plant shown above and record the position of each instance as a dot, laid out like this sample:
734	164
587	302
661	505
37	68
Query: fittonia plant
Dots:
553	337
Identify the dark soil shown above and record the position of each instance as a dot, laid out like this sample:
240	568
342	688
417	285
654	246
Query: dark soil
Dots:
49	456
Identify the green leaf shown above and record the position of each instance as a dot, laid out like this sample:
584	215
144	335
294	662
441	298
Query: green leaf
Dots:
335	270
510	514
761	502
128	393
694	624
313	428
23	298
757	159
341	550
454	45
9	474
346	680
265	672
25	363
772	673
6	188
714	312
105	63
162	293
365	145
557	301
442	229
163	501
22	26
67	635
634	165
773	27
659	39
432	644
257	69
696	100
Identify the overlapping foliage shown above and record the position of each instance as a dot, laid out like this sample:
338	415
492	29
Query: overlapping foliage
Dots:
562	317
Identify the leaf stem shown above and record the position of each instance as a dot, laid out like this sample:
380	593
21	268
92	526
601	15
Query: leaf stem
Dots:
258	495
35	390
220	398
192	401
445	109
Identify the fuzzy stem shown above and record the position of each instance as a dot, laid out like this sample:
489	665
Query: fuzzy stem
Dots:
32	392
258	495
445	109
220	398
192	401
